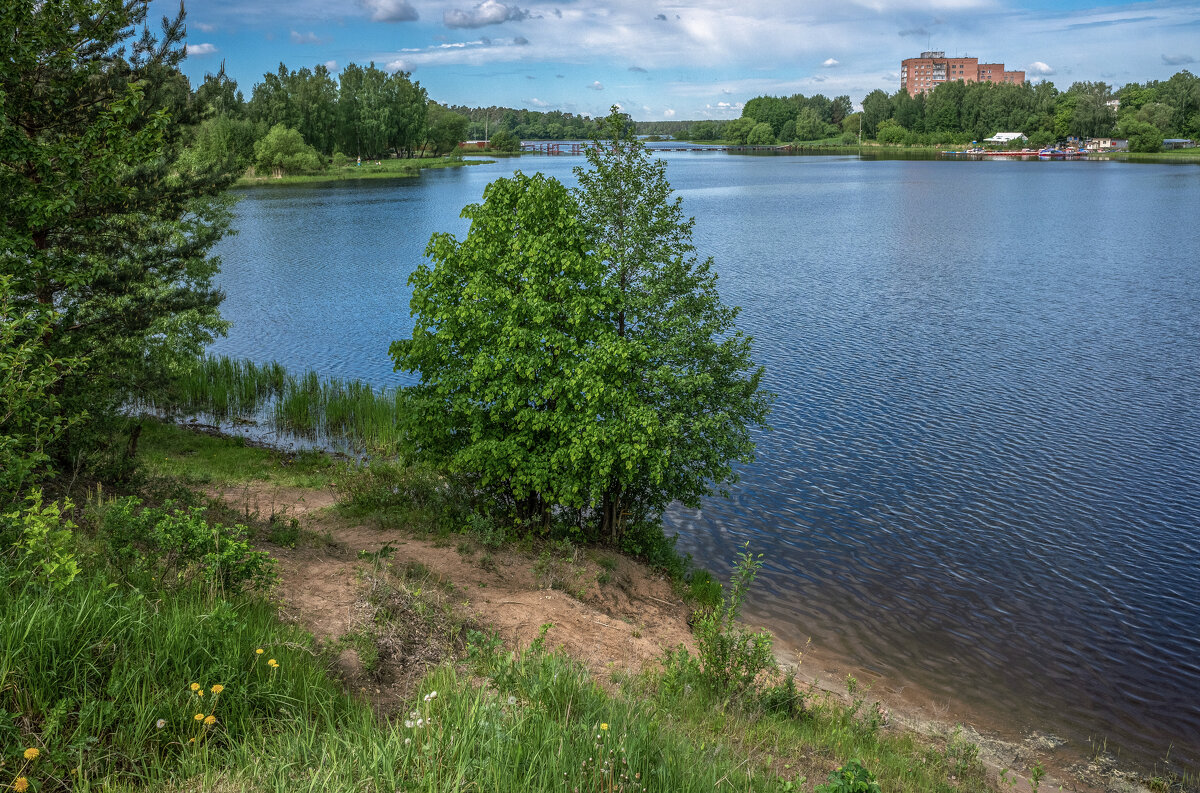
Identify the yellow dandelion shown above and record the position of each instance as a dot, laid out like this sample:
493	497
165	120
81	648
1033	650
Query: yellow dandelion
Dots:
199	717
191	740
194	686
32	753
199	693
273	663
259	651
20	784
218	688
604	727
210	720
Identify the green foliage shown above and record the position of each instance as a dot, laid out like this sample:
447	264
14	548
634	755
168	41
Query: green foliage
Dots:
46	541
283	151
731	658
684	395
220	144
30	419
890	132
761	135
810	125
524	124
851	778
95	223
1143	136
445	129
738	130
167	547
504	141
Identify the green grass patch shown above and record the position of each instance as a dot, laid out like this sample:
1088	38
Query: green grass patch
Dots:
199	458
1172	156
385	169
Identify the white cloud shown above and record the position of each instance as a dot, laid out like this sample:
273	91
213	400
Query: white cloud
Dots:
669	113
1040	67
398	65
538	102
203	27
390	10
489	12
201	49
829	63
331	65
305	38
596	86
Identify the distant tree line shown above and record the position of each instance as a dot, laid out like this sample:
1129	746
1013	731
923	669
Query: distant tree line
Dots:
485	122
296	120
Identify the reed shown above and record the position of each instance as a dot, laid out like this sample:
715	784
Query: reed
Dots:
327	410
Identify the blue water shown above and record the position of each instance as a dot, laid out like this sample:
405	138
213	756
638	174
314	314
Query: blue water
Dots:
983	482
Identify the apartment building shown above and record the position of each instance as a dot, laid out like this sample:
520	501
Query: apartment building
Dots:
918	75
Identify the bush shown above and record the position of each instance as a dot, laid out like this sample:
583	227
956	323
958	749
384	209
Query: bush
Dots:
283	151
168	547
504	141
891	132
850	778
47	542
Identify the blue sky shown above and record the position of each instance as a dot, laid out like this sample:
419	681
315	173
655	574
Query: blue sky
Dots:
690	59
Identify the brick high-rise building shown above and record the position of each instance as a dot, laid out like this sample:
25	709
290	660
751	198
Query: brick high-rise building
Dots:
918	75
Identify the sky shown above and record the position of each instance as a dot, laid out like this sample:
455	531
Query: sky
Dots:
690	59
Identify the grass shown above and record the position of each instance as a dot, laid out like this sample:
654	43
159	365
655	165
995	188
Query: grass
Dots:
331	410
198	458
1173	156
385	169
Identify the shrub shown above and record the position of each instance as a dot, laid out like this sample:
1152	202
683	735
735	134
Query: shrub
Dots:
47	542
850	778
732	658
167	547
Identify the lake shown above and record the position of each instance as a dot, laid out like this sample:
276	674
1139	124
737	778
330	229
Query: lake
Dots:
982	489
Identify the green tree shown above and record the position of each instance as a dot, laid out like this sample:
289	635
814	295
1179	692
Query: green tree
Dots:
101	240
738	130
219	144
504	141
761	135
809	126
516	349
1143	136
284	151
877	107
446	129
1093	116
890	132
689	395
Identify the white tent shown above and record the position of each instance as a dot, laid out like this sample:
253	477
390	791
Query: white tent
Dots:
1005	137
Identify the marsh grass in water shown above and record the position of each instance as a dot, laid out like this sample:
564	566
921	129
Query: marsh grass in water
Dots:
330	410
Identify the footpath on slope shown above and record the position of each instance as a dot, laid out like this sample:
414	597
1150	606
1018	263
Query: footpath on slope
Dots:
622	625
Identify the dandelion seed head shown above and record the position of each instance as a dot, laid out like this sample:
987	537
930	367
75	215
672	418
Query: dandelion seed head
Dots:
160	723
512	700
408	723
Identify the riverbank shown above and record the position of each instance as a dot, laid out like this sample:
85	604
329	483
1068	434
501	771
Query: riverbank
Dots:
374	169
609	612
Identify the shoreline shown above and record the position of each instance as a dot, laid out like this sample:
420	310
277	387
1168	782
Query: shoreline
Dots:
1008	746
388	169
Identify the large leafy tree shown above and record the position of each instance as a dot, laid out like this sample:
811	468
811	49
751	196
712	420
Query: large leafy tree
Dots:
102	242
517	352
693	385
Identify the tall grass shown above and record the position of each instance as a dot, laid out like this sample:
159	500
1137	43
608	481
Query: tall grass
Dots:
330	410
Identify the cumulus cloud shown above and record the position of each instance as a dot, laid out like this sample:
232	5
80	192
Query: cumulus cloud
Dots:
829	63
489	12
201	49
538	102
596	86
390	10
1177	60
1039	67
398	65
305	38
668	113
636	69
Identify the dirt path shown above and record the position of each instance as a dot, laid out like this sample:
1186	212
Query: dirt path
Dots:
621	624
